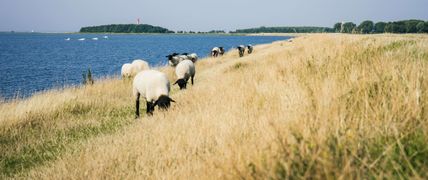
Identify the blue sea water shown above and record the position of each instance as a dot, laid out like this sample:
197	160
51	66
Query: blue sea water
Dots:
32	62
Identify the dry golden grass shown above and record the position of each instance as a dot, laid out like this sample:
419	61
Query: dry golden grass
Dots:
323	106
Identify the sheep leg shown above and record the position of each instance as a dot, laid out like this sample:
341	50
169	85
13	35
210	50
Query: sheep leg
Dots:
192	79
137	106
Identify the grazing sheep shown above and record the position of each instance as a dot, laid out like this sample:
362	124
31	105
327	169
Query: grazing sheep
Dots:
182	57
154	87
174	59
215	51
127	70
241	50
193	57
139	65
221	52
184	70
250	49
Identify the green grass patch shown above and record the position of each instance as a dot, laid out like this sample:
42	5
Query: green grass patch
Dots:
400	157
236	67
398	45
53	141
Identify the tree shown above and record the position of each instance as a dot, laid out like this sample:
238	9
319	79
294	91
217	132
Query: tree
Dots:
399	27
304	29
379	27
366	27
389	28
337	27
422	27
411	25
395	27
425	30
348	27
125	28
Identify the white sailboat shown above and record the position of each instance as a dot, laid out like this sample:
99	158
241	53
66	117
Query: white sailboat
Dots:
68	39
82	39
95	39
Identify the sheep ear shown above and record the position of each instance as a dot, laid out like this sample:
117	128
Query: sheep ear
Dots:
171	99
175	82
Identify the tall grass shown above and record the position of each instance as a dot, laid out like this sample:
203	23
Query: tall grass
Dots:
322	106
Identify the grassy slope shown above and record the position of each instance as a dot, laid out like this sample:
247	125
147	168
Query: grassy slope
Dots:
322	106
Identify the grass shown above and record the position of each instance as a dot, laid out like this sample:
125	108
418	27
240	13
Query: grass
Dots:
325	106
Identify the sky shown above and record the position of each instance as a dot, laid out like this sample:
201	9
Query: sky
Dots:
200	15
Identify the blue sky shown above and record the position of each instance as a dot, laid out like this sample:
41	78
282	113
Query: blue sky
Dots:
200	15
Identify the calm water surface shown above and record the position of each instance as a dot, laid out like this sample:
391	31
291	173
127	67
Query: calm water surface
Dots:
31	62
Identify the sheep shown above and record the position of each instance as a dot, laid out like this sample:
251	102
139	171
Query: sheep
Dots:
183	56
241	49
127	70
193	57
154	87
250	49
215	51
221	52
139	65
175	58
184	70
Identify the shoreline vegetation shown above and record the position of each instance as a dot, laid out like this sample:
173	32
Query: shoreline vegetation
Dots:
125	28
366	27
291	29
322	106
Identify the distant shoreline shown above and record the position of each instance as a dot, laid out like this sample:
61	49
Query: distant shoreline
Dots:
178	34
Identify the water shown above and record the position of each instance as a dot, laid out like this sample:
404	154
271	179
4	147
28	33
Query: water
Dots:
32	62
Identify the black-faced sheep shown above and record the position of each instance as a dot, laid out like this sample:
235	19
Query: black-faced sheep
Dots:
154	87
175	58
193	57
215	51
221	52
184	70
250	48
241	50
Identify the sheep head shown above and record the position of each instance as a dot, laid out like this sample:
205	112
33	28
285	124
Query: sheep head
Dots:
164	102
181	83
150	108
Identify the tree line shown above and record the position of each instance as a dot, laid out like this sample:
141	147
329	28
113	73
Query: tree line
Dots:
304	29
125	28
202	32
369	27
366	27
